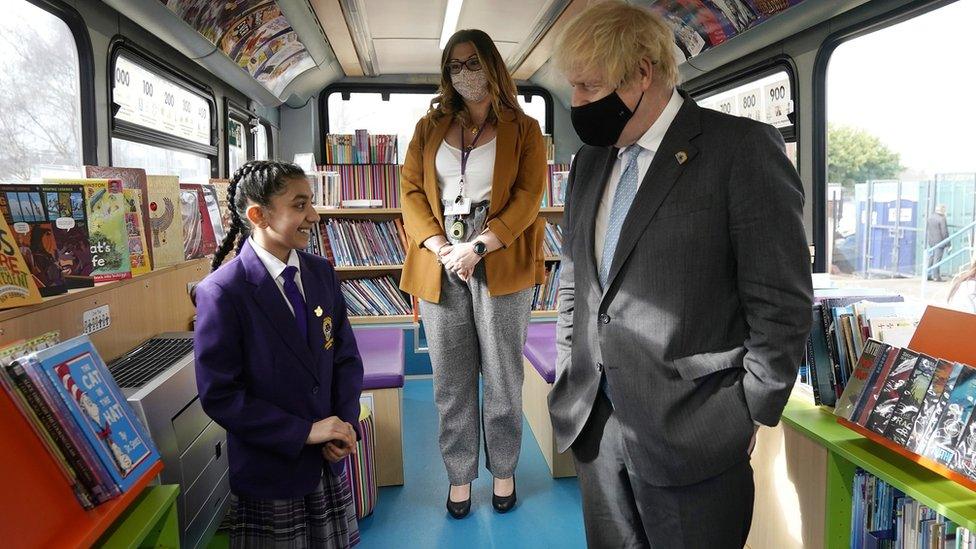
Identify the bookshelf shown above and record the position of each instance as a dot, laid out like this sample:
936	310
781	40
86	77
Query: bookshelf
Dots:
359	212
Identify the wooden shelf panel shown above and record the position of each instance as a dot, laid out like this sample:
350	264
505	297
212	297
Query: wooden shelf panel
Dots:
554	258
369	268
357	212
545	314
945	496
551	210
387	319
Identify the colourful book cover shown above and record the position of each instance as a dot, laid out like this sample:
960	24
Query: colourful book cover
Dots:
955	415
903	417
198	234
943	380
216	212
106	208
223	187
859	377
165	222
139	262
24	211
17	286
66	206
891	390
132	178
99	409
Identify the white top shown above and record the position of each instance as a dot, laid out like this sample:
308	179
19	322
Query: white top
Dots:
650	142
275	268
477	179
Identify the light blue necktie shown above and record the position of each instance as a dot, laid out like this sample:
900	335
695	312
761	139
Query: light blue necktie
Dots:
622	199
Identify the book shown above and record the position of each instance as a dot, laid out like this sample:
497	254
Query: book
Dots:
139	262
105	204
964	460
216	216
223	188
164	221
864	367
25	214
891	390
955	414
869	397
66	206
927	415
17	286
132	178
98	408
903	417
199	239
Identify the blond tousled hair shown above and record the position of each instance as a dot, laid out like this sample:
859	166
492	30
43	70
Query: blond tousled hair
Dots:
614	36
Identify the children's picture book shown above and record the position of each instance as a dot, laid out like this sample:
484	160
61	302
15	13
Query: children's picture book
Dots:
17	286
99	409
132	178
198	234
165	221
139	261
66	206
106	208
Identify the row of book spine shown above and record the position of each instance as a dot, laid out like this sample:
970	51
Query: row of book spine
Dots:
545	297
360	148
922	403
376	296
379	182
358	243
557	177
552	243
883	516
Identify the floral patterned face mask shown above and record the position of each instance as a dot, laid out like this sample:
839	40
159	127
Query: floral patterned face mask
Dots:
472	85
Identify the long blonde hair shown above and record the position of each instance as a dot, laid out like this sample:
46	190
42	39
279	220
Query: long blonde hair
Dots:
501	86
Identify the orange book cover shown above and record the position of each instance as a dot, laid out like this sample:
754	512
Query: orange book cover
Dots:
17	287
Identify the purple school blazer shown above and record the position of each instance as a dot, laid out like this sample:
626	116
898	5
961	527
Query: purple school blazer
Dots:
266	386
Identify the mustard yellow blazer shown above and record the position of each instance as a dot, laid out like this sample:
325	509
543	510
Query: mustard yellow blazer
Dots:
517	186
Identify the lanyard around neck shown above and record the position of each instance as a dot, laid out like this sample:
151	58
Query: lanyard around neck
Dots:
465	153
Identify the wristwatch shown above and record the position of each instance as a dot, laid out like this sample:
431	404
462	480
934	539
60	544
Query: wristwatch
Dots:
480	248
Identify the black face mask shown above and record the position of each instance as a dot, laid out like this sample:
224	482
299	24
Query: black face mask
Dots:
600	123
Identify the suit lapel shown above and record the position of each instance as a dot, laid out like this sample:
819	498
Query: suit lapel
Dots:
272	305
314	300
592	204
430	165
658	182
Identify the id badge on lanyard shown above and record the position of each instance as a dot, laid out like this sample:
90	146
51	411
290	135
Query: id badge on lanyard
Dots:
462	204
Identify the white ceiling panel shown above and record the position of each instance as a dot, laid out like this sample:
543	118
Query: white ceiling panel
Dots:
397	56
399	19
503	20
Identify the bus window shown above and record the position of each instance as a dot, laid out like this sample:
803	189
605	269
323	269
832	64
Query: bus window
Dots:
767	99
536	108
160	124
367	110
900	149
41	123
236	146
262	148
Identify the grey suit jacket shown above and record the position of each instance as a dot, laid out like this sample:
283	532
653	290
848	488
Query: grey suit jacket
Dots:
703	323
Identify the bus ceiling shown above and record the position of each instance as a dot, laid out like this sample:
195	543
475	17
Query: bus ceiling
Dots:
289	50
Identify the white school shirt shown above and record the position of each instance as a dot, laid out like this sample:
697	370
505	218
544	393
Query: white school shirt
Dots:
275	268
649	143
478	172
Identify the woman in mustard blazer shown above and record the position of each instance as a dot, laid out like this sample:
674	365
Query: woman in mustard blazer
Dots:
471	186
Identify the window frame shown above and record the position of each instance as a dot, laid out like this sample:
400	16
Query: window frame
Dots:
762	69
821	66
86	73
147	136
240	114
267	125
386	89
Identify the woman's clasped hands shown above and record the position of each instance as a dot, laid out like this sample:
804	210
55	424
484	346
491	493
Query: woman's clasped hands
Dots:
460	259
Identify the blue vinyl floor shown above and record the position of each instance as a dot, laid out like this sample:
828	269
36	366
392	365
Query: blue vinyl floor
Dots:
413	515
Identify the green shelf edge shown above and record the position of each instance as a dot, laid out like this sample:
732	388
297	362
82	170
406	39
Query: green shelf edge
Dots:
945	496
143	517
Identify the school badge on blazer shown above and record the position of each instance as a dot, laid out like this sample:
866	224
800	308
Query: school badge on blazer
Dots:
327	331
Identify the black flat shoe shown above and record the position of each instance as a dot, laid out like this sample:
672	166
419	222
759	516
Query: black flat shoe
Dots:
504	504
458	509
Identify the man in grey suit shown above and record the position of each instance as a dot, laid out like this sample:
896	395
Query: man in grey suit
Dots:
684	298
936	230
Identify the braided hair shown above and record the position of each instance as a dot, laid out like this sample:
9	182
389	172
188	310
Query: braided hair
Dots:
254	182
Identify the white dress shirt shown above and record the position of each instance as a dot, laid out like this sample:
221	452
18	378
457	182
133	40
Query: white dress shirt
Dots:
650	142
276	269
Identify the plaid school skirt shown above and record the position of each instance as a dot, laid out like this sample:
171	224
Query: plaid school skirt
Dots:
326	518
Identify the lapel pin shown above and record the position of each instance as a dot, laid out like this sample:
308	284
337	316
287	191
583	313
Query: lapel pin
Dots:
318	311
681	157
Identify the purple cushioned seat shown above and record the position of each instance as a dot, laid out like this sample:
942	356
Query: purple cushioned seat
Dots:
540	349
382	352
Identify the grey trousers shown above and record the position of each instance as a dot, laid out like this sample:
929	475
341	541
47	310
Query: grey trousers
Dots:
622	510
470	332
